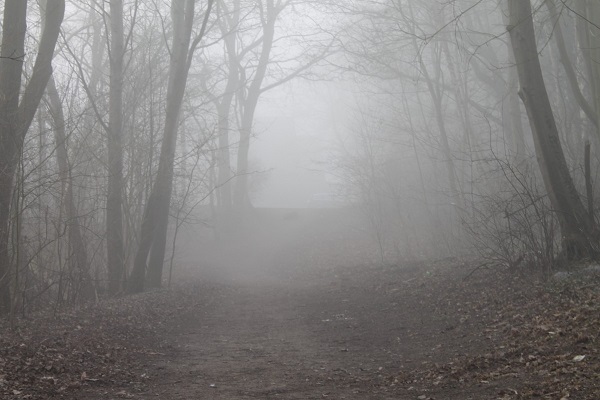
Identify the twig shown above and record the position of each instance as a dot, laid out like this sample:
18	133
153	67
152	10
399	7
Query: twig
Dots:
484	265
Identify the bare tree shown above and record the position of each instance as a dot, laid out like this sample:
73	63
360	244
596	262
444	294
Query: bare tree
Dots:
156	214
114	200
77	245
576	227
228	21
17	107
254	64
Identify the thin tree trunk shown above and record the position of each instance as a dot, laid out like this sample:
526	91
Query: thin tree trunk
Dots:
241	200
249	103
156	215
228	28
436	97
515	116
517	139
224	165
15	115
588	181
76	242
114	199
446	150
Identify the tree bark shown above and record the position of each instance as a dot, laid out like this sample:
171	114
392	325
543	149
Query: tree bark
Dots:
588	180
80	268
249	103
224	158
156	214
114	200
576	228
228	27
15	115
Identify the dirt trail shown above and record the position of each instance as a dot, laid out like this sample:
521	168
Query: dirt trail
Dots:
319	334
417	332
264	341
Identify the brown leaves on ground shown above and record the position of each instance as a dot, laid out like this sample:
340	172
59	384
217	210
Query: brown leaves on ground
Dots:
544	338
422	331
99	345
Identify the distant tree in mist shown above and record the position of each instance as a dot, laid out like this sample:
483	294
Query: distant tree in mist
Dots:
444	78
79	266
115	250
255	60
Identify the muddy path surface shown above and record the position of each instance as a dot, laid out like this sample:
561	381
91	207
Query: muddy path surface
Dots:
269	341
421	332
342	333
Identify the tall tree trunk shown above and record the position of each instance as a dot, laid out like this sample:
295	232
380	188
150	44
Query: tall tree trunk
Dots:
588	180
223	165
228	22
436	98
435	91
590	111
114	199
241	200
163	185
76	242
13	37
156	215
513	109
517	133
224	158
15	116
576	227
249	103
505	84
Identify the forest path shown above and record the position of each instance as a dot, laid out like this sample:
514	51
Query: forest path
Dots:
342	333
268	341
440	331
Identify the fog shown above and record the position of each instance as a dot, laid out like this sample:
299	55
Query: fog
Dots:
295	145
299	199
165	128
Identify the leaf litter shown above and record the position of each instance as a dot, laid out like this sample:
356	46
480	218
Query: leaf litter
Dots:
492	335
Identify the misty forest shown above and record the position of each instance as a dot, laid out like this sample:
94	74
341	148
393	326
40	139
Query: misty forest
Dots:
300	199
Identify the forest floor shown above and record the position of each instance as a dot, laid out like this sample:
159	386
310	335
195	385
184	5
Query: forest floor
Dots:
321	330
